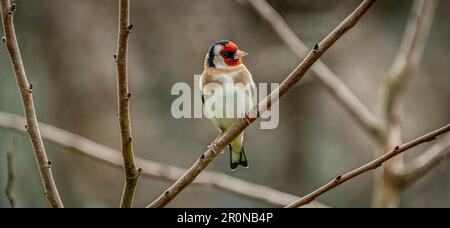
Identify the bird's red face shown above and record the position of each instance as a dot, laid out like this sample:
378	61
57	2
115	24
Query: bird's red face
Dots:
225	54
231	54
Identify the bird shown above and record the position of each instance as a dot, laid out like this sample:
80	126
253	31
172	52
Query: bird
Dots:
227	82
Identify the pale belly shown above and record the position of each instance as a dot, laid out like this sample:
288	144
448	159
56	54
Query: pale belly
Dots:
227	106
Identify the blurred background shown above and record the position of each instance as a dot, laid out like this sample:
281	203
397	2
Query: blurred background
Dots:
68	48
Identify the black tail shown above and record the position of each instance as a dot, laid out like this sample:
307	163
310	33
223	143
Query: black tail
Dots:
237	159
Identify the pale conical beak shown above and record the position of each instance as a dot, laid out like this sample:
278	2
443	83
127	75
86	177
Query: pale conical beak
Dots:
240	54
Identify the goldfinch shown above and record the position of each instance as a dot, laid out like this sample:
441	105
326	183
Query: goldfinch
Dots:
227	93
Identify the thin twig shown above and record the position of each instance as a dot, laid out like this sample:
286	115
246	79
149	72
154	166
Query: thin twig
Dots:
123	97
369	166
11	177
206	158
152	169
25	88
327	77
425	162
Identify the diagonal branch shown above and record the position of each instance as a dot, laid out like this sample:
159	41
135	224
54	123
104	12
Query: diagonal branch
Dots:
11	178
327	78
152	169
131	172
369	166
25	89
425	162
206	158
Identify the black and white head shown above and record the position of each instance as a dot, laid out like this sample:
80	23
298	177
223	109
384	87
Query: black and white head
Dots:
224	54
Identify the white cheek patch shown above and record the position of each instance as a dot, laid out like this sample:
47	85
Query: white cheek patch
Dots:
220	62
217	50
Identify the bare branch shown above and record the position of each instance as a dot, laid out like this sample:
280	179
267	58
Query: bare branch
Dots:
11	177
369	166
25	88
408	58
328	78
425	162
412	46
206	158
260	192
152	169
131	172
406	64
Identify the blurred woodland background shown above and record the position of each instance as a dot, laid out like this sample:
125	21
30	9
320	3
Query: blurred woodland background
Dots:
68	48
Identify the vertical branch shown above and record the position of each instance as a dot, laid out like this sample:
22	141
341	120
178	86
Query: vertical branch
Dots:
131	172
206	158
406	63
11	177
25	89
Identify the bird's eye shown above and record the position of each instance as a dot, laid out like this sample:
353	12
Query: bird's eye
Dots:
227	54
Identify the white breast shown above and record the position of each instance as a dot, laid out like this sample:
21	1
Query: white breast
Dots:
228	101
